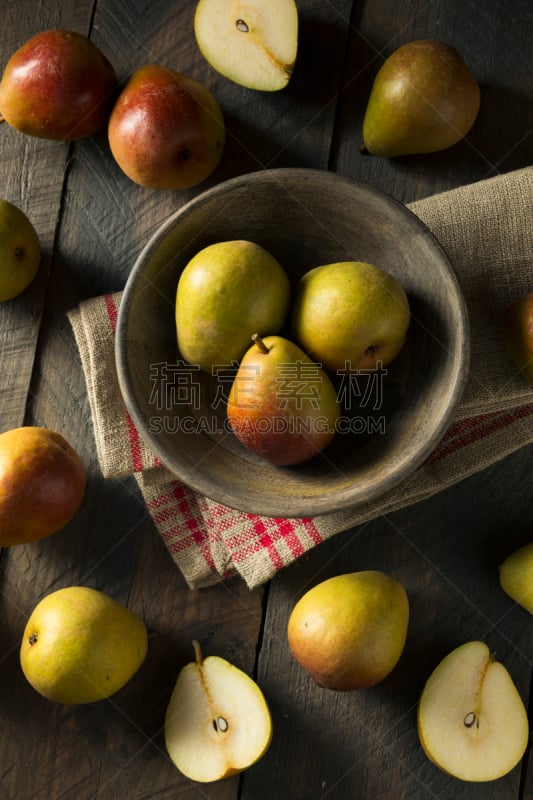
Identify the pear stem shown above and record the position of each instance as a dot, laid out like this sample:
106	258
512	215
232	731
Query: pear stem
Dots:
256	339
197	652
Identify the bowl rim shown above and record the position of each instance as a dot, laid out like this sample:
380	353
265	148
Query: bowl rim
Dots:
305	506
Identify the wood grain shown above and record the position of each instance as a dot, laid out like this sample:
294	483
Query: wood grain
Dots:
93	223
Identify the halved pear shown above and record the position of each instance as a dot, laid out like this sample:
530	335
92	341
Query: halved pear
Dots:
217	721
251	42
471	719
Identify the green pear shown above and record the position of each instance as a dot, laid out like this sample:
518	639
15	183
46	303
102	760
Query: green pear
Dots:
228	291
424	98
350	315
79	646
281	405
20	251
516	576
349	631
517	324
58	85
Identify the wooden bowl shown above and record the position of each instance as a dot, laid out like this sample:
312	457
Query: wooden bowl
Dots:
304	218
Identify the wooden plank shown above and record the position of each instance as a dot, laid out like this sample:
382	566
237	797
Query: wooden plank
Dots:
500	139
116	749
32	173
446	552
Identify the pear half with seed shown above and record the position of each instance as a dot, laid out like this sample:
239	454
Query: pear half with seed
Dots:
251	42
471	719
217	721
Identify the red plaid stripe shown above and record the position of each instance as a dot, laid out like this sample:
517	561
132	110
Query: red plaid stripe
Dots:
472	430
180	523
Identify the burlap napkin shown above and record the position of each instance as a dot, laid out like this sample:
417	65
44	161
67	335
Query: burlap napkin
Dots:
487	231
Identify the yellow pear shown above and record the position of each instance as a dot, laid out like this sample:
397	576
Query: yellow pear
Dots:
228	291
20	251
516	576
217	721
349	631
80	645
350	315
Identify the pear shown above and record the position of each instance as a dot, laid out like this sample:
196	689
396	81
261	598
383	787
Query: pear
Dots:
350	315
228	291
281	405
471	719
251	42
424	98
58	85
20	251
348	632
516	576
42	484
166	130
217	722
517	323
79	646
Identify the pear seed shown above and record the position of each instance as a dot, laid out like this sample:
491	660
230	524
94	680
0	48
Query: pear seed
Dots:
220	724
470	719
241	26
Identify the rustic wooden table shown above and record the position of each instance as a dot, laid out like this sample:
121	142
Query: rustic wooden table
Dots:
92	223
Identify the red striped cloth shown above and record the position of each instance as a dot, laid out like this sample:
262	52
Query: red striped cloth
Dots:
487	232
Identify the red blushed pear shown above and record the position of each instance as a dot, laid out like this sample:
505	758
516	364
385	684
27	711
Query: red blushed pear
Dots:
166	130
42	484
281	405
58	85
